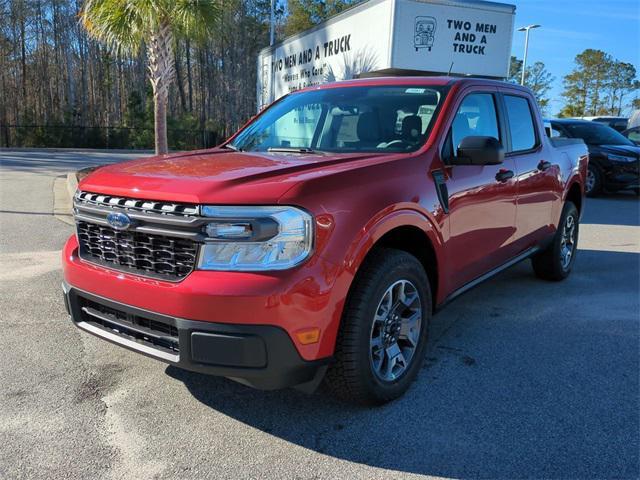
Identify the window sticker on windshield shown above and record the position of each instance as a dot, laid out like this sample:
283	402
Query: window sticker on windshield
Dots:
414	90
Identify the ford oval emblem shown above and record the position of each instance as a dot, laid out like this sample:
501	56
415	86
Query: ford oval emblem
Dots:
119	220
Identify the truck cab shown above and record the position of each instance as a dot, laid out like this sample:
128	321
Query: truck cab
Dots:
317	242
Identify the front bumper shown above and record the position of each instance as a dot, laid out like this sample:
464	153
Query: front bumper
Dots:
620	176
310	296
261	356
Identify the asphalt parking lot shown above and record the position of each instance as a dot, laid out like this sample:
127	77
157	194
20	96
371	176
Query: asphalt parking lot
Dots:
523	378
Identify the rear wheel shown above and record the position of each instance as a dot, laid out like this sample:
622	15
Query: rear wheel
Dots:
593	183
556	261
381	342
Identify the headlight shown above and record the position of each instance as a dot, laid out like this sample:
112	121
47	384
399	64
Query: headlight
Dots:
255	238
620	158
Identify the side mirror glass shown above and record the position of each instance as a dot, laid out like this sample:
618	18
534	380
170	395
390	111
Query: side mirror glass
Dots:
479	151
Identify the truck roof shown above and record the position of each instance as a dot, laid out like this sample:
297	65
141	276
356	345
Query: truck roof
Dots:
413	80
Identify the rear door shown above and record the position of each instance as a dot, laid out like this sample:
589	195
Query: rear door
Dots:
482	198
538	173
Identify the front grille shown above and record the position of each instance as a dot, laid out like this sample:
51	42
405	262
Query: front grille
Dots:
157	256
147	206
159	335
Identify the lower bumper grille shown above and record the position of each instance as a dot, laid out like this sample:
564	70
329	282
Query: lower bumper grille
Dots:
158	335
151	255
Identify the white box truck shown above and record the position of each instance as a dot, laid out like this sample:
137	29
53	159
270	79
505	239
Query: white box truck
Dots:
392	37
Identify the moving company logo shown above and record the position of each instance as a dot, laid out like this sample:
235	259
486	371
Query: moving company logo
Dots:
424	32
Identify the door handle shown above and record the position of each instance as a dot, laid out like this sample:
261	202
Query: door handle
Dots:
503	175
544	165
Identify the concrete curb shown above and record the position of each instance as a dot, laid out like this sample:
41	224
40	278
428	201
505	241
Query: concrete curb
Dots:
64	188
73	178
72	183
62	199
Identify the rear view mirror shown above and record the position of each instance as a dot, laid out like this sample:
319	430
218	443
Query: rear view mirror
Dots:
479	151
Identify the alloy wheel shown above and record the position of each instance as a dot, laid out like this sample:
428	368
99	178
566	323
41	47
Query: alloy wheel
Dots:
395	331
591	181
568	241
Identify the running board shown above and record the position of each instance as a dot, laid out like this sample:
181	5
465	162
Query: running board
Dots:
468	286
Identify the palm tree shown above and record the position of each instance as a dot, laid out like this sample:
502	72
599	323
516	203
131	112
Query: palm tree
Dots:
128	25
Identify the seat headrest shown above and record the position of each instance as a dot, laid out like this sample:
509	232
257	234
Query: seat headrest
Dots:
411	128
461	128
368	127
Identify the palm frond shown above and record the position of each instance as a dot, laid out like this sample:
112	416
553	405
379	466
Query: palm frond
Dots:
118	23
195	19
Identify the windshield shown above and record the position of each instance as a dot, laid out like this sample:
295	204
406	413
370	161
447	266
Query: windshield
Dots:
348	119
594	133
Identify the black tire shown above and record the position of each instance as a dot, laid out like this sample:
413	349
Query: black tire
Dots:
596	188
550	264
352	376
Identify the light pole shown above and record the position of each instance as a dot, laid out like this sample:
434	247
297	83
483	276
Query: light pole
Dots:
526	48
272	23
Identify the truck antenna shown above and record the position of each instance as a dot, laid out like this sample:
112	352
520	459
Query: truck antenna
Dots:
450	68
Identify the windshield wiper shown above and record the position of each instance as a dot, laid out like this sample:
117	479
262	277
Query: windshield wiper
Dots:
232	147
291	150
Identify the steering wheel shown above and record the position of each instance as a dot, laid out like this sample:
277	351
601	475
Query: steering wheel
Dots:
392	143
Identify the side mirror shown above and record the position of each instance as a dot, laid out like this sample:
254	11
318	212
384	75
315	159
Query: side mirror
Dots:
479	151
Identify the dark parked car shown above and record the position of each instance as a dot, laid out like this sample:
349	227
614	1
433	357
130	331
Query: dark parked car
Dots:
614	160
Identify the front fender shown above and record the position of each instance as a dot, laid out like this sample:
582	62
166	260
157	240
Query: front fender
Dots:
366	238
377	227
384	222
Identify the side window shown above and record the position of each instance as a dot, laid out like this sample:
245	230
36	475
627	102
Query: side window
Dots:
634	135
476	116
620	125
523	134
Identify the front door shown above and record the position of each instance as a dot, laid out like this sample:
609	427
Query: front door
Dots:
482	199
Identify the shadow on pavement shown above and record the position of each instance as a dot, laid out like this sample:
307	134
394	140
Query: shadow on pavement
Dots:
613	209
52	161
523	379
46	214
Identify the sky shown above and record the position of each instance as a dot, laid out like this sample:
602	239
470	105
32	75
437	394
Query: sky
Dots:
570	26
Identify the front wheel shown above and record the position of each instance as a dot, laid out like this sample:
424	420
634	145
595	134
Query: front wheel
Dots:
593	183
556	261
383	335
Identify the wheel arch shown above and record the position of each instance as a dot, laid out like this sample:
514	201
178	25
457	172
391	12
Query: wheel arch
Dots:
416	242
407	231
574	195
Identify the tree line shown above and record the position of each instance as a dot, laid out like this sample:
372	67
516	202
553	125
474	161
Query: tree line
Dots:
58	78
599	85
52	73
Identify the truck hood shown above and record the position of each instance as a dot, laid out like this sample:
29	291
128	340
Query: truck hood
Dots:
214	176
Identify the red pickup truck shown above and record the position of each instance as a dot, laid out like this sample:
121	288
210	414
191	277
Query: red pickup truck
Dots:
318	241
